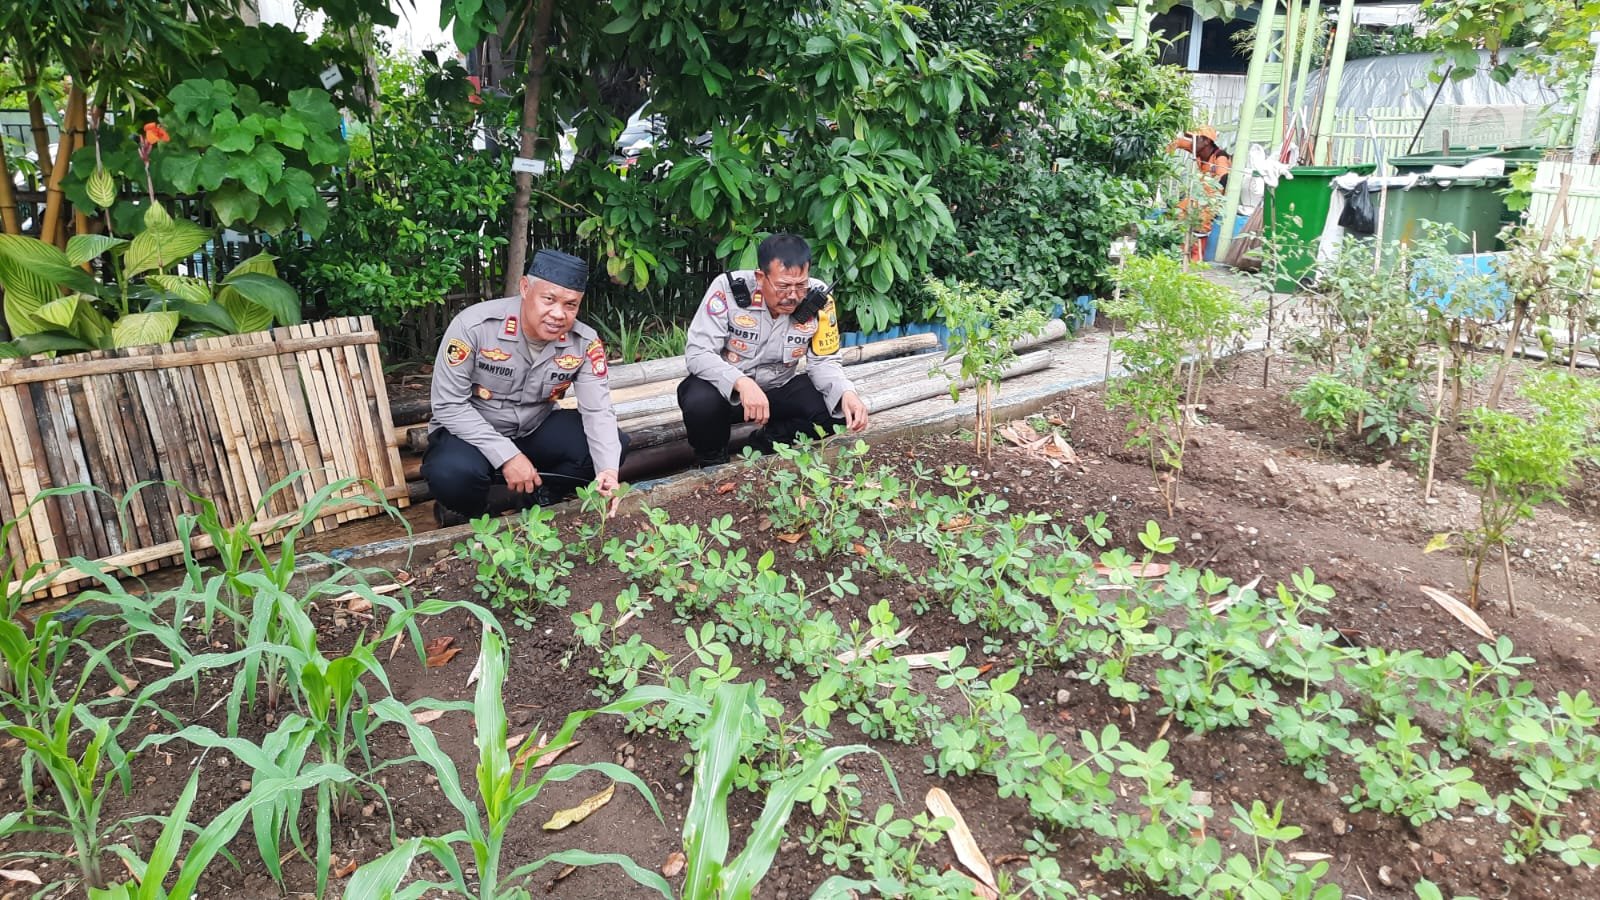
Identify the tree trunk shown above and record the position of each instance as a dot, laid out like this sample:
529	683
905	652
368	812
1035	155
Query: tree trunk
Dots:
517	235
8	200
41	131
1505	357
55	200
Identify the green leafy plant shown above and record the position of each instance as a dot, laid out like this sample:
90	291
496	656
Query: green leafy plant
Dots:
984	323
1518	463
1174	320
51	304
420	212
1331	404
257	163
521	562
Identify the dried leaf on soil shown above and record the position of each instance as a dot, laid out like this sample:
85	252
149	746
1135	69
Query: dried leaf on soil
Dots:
789	538
582	811
151	661
1463	613
346	870
427	716
440	651
673	867
123	690
23	876
872	644
940	804
359	605
956	523
925	660
727	487
1308	856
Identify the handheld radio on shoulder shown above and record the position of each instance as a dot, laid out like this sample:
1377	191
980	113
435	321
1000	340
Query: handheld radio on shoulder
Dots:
740	290
816	298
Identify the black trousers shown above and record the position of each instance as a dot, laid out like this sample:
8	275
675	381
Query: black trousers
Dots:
460	476
797	408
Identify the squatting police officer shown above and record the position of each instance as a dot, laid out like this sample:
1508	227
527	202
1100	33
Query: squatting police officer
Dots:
744	348
502	369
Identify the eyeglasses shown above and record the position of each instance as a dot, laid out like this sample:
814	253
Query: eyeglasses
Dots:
792	289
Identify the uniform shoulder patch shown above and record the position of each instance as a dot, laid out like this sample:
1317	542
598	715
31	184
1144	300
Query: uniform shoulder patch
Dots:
597	357
494	353
456	352
717	306
511	327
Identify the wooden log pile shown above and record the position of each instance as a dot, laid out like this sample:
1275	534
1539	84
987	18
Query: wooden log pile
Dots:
887	374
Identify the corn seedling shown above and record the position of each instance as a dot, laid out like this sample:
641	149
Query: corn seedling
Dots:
506	786
710	874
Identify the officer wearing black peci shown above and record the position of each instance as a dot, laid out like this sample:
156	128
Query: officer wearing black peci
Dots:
744	348
502	369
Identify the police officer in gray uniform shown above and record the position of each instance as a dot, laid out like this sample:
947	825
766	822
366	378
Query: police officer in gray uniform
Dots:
744	348
501	370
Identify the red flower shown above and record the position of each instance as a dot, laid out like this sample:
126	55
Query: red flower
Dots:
155	134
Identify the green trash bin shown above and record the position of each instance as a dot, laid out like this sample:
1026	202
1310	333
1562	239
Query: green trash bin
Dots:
1473	205
1307	196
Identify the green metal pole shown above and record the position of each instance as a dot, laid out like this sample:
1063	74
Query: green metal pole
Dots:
1330	88
1291	28
1141	25
1308	49
1259	55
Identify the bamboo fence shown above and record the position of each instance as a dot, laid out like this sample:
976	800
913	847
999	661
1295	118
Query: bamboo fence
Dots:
227	418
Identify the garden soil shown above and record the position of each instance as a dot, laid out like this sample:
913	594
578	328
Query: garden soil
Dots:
1256	500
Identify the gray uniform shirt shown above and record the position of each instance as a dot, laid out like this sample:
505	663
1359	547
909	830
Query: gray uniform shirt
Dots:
491	384
726	342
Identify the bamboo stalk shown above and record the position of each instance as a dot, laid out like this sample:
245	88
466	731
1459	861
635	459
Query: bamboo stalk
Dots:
11	374
55	199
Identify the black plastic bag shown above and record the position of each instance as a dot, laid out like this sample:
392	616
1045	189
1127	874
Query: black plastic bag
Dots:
1360	215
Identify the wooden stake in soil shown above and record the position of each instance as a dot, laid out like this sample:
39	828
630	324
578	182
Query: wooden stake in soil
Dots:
1438	413
1511	591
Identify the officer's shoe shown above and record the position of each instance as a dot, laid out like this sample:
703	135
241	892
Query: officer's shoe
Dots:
711	460
446	518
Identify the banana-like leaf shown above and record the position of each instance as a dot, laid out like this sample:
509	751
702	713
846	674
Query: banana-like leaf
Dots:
135	329
23	261
248	315
194	290
270	293
83	247
61	311
161	246
211	315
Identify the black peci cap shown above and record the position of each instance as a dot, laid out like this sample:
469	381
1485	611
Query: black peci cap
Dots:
560	268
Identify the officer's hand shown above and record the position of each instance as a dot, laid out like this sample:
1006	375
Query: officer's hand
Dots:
521	477
757	408
605	484
855	411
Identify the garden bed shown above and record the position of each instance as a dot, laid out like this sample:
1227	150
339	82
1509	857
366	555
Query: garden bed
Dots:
1257	502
